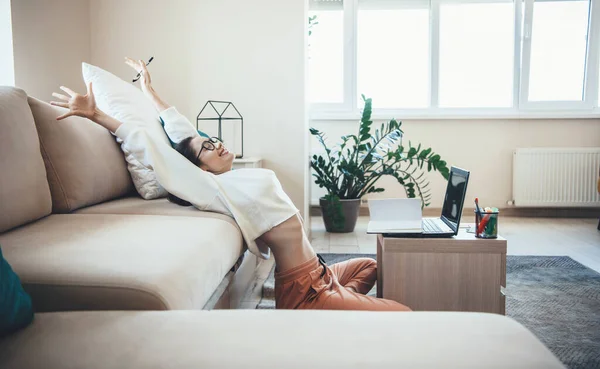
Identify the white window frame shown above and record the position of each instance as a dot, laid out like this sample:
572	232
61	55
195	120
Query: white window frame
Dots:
586	103
593	62
523	12
349	55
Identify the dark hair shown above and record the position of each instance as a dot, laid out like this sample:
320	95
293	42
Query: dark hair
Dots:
184	148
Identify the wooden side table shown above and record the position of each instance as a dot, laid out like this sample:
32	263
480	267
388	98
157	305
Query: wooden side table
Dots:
462	273
249	162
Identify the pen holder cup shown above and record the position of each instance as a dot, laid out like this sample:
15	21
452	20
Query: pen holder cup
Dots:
486	225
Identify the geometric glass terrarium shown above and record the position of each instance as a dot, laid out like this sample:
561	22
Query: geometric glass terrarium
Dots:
222	119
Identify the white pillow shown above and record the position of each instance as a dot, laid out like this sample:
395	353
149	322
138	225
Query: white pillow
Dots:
126	103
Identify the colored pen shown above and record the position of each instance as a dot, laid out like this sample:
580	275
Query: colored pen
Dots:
477	206
139	75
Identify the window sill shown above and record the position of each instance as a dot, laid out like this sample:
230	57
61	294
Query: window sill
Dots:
462	114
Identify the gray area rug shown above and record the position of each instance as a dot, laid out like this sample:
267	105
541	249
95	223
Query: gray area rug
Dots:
555	297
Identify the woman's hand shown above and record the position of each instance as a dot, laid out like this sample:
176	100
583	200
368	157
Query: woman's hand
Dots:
140	67
146	83
79	105
84	106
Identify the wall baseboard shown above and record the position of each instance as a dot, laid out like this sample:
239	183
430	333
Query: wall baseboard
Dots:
592	212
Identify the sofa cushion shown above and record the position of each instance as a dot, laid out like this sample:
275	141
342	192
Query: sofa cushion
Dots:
122	262
24	192
274	339
84	163
137	205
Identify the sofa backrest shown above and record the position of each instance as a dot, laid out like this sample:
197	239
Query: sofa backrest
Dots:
84	163
24	190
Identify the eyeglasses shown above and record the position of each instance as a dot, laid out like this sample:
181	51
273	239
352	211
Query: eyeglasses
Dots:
209	145
139	75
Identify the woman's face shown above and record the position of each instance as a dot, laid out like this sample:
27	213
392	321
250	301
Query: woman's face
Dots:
214	157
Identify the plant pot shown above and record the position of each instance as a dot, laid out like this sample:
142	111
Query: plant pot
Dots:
339	216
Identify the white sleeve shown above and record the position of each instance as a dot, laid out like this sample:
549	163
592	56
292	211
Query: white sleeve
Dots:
174	172
176	125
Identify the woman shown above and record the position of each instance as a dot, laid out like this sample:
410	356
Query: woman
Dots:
302	279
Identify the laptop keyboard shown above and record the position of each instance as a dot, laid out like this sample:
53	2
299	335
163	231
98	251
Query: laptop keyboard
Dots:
430	226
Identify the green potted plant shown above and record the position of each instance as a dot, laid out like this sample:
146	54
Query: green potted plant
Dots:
351	169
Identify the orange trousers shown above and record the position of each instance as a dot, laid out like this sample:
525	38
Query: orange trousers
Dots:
314	285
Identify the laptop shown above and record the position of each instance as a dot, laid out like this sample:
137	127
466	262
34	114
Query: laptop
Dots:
401	218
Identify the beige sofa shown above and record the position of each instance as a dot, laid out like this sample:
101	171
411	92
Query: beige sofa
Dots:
79	239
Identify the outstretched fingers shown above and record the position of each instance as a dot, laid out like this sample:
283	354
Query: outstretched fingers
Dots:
61	96
68	90
133	64
61	104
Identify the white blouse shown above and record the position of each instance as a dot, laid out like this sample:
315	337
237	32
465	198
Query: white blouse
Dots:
252	196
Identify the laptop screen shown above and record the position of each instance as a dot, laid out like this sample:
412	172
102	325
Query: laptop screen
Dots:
455	197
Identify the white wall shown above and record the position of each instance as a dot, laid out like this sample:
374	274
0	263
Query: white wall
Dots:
51	38
248	52
484	147
7	67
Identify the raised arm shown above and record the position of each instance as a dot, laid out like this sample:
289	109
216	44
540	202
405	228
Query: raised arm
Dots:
146	84
176	125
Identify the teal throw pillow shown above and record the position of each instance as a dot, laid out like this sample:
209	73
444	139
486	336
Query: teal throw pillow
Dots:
16	310
173	143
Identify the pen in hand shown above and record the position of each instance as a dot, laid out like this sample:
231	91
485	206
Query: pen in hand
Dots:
140	73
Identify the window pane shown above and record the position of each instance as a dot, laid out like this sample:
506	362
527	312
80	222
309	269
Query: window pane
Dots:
326	56
393	55
558	50
476	55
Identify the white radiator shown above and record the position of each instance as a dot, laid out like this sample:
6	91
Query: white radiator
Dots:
556	177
